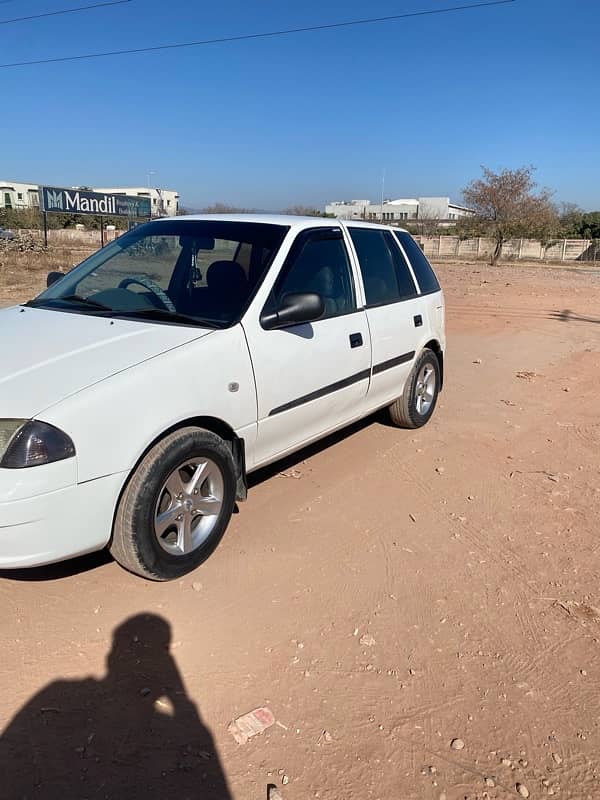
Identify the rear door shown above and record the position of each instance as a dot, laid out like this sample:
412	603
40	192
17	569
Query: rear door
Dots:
395	311
311	378
429	287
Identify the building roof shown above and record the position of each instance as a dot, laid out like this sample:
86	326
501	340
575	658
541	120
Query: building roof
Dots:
146	189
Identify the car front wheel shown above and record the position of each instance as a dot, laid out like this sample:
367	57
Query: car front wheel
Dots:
176	506
419	398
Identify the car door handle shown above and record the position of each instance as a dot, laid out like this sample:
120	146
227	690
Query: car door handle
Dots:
418	320
356	340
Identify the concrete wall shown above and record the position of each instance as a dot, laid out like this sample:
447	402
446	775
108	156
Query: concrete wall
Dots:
517	249
72	237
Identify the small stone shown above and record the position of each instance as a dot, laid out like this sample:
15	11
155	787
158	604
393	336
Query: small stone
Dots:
327	736
506	762
431	770
523	762
145	691
471	497
477	361
490	782
440	470
522	790
367	640
197	586
583	672
556	758
457	744
285	780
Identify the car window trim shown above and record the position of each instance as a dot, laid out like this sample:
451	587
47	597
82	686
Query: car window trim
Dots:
370	306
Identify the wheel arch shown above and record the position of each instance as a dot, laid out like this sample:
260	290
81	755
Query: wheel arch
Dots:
435	346
209	423
225	432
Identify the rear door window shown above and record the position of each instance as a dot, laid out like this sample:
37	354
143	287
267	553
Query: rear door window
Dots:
385	274
424	273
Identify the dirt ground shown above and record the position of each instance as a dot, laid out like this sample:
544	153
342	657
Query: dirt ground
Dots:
385	594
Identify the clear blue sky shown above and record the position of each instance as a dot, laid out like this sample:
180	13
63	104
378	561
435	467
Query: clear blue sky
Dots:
308	117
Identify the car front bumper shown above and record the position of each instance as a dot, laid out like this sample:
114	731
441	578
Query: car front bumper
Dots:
41	527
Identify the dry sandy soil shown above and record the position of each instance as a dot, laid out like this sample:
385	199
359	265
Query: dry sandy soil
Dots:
384	594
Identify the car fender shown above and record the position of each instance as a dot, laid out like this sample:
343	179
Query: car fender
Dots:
113	422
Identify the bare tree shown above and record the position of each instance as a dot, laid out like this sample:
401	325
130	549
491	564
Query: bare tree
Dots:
305	211
507	204
427	220
223	208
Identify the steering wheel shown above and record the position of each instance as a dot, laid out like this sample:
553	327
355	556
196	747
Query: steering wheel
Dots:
148	283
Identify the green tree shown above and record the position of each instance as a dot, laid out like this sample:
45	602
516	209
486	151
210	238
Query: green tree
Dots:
570	216
507	204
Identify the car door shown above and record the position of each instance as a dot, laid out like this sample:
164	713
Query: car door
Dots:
310	378
394	311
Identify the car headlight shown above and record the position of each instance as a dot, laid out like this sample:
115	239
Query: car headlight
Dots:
29	443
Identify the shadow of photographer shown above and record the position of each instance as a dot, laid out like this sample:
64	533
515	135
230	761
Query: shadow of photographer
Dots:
133	734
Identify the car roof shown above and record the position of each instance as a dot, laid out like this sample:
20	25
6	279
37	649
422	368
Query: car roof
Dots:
290	220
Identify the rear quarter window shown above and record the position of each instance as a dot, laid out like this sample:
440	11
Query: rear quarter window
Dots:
421	267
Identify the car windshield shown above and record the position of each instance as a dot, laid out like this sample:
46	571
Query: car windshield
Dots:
198	272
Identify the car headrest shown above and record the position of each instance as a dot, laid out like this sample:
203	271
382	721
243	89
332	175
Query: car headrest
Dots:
226	275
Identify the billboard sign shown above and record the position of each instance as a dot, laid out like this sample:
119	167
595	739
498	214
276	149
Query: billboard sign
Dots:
77	201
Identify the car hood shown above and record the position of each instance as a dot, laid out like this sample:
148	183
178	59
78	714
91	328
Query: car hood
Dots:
46	355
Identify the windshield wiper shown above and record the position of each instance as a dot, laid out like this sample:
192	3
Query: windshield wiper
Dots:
167	316
70	298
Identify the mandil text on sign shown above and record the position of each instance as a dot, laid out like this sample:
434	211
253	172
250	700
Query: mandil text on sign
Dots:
77	201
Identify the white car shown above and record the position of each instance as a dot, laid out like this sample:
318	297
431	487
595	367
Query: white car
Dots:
139	390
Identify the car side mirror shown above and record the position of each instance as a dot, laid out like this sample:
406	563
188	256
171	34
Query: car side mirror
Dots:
53	277
295	309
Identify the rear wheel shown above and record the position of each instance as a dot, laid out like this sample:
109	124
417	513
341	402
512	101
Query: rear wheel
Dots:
419	398
176	506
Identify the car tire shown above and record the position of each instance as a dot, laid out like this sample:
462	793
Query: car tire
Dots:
176	505
418	401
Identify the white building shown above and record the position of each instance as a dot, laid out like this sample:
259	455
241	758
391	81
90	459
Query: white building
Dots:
164	202
19	195
403	209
